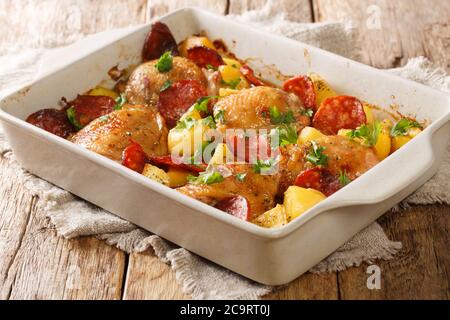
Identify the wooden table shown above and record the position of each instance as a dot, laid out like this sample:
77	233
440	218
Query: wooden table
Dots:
35	263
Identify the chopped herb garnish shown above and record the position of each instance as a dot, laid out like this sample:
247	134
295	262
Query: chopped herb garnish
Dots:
287	134
104	118
206	178
202	103
186	123
232	83
367	132
209	121
401	127
72	116
120	101
316	155
277	117
262	166
241	176
210	67
219	116
343	178
166	85
307	112
165	62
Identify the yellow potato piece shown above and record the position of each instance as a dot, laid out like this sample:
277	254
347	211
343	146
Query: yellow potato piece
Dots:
322	88
191	113
399	141
221	154
223	92
308	134
229	73
156	174
186	141
100	91
195	42
232	62
297	200
177	177
383	146
369	114
273	218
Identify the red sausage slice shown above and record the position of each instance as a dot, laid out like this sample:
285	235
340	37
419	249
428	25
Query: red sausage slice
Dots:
53	121
303	87
87	108
158	41
249	74
134	157
319	179
174	101
167	162
237	206
204	57
341	112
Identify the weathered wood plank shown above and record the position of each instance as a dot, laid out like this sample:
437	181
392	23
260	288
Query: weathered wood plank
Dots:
50	23
309	287
436	44
149	278
156	8
294	10
420	271
391	30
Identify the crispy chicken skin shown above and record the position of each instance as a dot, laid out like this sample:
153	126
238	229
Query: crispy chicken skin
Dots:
145	82
110	134
249	108
260	190
343	155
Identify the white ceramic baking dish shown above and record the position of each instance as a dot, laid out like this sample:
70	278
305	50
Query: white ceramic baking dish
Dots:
270	256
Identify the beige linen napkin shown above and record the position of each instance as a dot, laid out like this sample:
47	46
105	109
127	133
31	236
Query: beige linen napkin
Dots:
202	279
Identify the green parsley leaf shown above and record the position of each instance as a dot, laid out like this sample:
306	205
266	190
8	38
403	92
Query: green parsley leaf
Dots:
186	123
287	134
210	67
401	127
219	116
241	176
72	116
166	85
308	112
367	132
276	117
316	155
233	83
262	166
209	121
165	62
343	178
120	101
201	104
206	178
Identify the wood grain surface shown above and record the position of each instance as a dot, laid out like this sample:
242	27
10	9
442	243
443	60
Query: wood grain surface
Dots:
35	263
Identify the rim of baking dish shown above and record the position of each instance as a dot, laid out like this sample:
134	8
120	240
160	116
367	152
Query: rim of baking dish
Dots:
335	201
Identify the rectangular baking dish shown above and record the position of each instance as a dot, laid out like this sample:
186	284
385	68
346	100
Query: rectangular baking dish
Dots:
270	256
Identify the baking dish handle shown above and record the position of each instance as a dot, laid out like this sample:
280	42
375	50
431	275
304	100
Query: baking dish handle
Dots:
389	177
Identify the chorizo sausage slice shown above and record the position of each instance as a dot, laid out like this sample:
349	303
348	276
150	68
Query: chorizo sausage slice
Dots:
303	87
158	41
237	206
85	108
341	112
320	179
167	162
205	57
249	74
174	101
134	157
52	120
